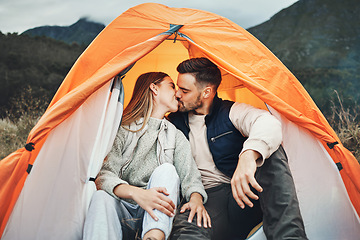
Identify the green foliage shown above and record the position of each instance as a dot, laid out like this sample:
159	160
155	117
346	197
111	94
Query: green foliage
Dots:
31	70
322	82
39	62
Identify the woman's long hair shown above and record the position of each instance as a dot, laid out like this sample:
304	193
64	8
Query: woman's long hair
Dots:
141	102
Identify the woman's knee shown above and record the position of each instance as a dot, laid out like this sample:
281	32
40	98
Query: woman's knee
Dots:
164	175
166	168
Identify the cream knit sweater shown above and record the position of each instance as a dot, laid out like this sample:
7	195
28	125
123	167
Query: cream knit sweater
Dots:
134	156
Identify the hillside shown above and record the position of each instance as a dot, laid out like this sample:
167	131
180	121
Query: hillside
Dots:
81	32
37	62
318	40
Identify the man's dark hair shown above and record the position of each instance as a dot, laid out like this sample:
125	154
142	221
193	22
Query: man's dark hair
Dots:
204	71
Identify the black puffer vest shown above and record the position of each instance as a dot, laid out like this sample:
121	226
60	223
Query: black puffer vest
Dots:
225	141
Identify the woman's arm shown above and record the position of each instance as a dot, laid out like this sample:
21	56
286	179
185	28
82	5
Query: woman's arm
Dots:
186	167
191	185
108	177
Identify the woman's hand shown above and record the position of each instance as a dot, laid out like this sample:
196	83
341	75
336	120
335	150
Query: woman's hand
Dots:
196	206
154	198
149	199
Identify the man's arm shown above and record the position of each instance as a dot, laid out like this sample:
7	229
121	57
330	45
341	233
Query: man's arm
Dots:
195	205
262	129
264	137
243	176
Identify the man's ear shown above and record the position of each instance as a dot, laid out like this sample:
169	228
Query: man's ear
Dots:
154	88
207	92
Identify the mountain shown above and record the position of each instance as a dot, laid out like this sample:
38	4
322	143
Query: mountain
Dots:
81	32
32	69
314	33
318	40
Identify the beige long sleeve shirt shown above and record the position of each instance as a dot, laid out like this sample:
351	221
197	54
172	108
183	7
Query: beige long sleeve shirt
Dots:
262	129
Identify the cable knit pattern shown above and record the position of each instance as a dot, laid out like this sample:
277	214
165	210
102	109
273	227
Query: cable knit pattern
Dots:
134	156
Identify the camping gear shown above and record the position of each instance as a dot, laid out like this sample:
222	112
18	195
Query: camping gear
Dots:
46	186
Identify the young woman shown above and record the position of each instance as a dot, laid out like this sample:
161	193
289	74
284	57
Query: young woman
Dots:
141	176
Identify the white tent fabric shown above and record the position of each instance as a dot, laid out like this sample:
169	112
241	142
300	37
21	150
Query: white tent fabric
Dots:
58	183
325	206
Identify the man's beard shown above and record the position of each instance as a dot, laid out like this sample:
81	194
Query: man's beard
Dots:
190	106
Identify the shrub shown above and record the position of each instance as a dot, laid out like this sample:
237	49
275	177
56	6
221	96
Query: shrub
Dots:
14	134
9	138
21	118
346	123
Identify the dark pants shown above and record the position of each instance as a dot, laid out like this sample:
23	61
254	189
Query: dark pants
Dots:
226	217
281	214
282	218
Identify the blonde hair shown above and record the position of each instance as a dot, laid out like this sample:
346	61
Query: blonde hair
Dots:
141	102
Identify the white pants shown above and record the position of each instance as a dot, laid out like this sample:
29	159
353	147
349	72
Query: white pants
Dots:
109	218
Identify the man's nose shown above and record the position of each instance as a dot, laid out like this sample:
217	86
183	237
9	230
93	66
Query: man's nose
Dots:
178	94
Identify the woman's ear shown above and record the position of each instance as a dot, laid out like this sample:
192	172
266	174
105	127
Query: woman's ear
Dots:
154	88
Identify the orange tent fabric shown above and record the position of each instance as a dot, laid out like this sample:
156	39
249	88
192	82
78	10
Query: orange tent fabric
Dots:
249	69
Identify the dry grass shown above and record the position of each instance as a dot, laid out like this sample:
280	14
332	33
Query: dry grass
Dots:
346	123
8	136
15	128
13	135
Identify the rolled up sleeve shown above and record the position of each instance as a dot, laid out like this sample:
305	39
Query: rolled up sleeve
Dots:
262	129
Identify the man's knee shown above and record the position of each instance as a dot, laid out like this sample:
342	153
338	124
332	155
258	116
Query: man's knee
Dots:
183	230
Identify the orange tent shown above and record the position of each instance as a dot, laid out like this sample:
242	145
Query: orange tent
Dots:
52	180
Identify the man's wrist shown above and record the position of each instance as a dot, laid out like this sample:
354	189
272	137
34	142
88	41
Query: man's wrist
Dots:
251	154
195	196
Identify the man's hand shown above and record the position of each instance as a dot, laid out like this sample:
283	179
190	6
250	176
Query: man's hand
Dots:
196	206
149	199
243	176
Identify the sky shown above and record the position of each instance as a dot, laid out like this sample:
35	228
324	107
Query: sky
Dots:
20	15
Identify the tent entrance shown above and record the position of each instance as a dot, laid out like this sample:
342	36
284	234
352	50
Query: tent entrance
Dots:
167	56
163	58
